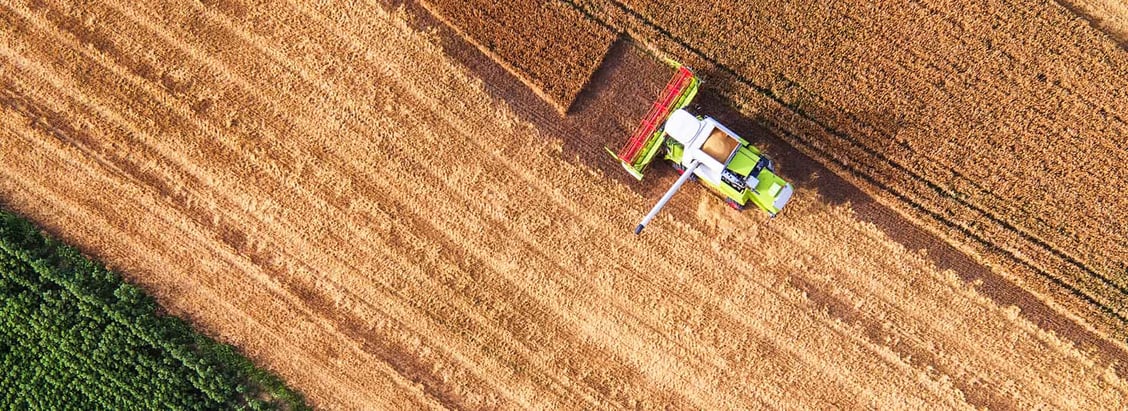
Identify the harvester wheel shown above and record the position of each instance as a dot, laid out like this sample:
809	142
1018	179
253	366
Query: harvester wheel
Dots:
735	205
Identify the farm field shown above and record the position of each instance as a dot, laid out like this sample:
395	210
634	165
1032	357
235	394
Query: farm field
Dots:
1000	127
1110	16
548	43
381	215
75	336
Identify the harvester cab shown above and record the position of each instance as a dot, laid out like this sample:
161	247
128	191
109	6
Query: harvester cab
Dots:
701	148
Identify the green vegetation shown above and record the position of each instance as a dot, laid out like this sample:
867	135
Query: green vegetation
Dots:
73	335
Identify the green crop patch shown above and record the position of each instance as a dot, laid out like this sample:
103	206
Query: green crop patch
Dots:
74	335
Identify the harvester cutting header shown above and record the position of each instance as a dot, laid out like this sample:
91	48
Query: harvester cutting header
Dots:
699	147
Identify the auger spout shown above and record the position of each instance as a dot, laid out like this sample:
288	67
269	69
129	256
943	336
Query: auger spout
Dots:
666	197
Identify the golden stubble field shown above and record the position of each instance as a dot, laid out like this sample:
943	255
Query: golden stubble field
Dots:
326	188
997	125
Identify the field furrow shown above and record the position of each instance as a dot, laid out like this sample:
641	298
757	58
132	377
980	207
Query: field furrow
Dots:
1110	16
998	125
329	189
551	46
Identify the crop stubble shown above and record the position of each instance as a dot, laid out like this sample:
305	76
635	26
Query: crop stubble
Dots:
998	126
298	183
548	44
1111	16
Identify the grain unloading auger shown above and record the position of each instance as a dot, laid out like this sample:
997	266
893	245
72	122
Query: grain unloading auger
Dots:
703	149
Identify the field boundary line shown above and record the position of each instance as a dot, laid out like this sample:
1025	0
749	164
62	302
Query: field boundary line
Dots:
205	128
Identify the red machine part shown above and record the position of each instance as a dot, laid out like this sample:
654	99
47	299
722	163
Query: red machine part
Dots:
656	115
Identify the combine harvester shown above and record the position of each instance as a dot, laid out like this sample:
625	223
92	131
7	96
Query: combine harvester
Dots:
704	149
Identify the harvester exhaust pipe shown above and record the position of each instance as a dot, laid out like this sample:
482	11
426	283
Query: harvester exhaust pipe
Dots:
666	197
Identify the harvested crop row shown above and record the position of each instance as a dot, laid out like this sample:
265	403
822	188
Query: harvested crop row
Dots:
549	45
472	265
966	122
1111	16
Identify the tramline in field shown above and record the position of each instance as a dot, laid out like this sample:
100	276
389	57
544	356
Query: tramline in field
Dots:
703	149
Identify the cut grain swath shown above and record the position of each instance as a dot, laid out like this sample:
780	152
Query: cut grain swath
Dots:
643	145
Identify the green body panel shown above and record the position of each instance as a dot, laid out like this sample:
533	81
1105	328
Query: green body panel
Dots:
743	162
763	195
674	151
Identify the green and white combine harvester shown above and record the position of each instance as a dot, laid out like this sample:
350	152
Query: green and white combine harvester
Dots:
701	148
